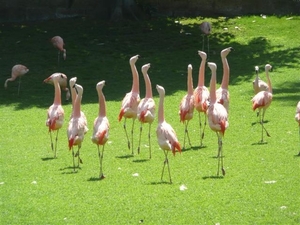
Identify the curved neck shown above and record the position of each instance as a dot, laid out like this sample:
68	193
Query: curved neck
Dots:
225	79
148	85
190	83
135	79
269	81
201	73
73	95
102	105
77	105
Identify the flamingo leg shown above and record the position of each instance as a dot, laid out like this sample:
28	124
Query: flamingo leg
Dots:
56	138
78	155
149	138
124	126
202	130
101	176
51	139
58	56
166	162
73	154
141	129
132	135
263	127
220	155
19	86
187	132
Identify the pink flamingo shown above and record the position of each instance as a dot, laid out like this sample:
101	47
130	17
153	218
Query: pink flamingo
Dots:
217	116
186	108
101	126
77	126
166	136
17	71
262	100
63	83
146	107
58	43
222	92
201	95
72	83
131	100
205	28
55	114
297	118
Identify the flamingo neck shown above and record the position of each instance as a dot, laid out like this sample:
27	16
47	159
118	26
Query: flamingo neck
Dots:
77	106
161	116
148	86
269	81
73	95
190	83
201	73
212	91
135	79
225	79
102	104
57	93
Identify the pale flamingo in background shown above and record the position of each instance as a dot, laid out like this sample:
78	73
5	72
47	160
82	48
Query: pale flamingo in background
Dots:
205	28
201	95
17	71
63	83
77	126
297	118
72	83
217	116
262	100
101	126
59	44
131	100
55	114
166	136
186	108
258	84
146	107
222	92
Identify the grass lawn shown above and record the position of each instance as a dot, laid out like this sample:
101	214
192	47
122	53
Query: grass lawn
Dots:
261	184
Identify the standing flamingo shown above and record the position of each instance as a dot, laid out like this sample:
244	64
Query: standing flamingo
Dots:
205	28
55	114
72	83
262	101
131	100
222	92
146	107
101	126
217	116
58	43
166	136
77	126
297	118
201	95
63	83
17	71
186	108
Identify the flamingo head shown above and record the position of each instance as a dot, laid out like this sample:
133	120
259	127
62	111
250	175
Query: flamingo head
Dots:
205	27
190	67
100	85
268	67
145	68
133	59
256	69
79	89
212	66
160	90
226	51
202	55
72	82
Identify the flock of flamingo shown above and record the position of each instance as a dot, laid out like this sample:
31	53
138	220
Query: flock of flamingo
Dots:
212	105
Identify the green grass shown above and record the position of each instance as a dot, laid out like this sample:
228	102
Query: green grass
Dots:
261	183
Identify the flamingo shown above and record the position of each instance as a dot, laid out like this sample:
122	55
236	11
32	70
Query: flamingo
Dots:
205	28
146	107
222	92
62	83
217	116
131	100
58	43
201	95
55	114
77	126
17	71
101	126
72	83
166	136
262	101
186	108
297	118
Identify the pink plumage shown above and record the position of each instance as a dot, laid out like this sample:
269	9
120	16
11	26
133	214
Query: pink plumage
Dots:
63	83
59	44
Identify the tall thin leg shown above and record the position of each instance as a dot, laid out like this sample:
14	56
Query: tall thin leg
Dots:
73	154
128	142
56	138
19	86
149	138
101	176
141	129
132	135
51	139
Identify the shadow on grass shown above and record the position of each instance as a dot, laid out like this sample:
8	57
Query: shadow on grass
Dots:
140	160
260	143
48	158
297	156
160	182
212	177
194	148
70	168
124	156
95	179
257	122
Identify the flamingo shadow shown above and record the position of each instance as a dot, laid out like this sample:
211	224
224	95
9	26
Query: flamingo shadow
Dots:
260	143
48	158
212	177
95	179
140	160
159	182
194	148
124	156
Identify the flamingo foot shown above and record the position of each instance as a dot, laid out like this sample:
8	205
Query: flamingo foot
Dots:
101	177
